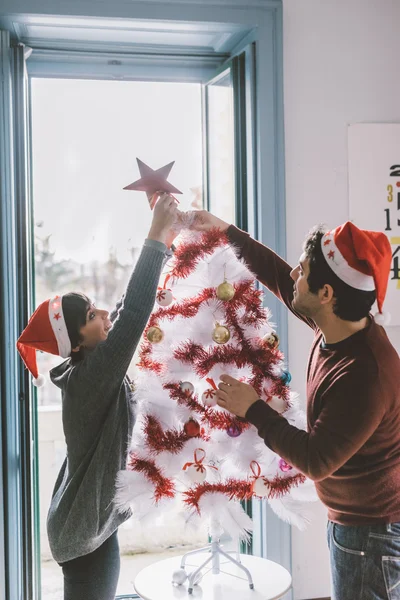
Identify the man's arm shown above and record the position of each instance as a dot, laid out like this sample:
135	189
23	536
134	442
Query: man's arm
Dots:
269	268
352	409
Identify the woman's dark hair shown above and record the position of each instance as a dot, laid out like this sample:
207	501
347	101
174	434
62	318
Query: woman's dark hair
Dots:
350	304
75	307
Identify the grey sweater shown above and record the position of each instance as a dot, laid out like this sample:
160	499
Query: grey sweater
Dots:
98	416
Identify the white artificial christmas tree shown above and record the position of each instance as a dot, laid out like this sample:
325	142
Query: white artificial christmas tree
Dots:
208	320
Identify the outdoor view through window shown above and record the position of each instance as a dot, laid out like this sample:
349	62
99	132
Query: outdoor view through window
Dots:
86	136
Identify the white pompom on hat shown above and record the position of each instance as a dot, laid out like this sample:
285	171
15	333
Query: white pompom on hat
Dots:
46	331
362	259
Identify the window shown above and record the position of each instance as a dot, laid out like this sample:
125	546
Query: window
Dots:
221	147
86	136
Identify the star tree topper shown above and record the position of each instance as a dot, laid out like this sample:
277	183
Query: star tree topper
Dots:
153	182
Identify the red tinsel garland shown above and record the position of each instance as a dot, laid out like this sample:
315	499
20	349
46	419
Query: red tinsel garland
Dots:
261	361
187	308
164	487
159	440
240	490
281	485
207	415
188	255
233	488
146	362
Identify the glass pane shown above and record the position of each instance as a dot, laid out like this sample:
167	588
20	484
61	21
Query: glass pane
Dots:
89	231
221	150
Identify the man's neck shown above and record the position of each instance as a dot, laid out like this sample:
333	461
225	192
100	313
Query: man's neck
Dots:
336	330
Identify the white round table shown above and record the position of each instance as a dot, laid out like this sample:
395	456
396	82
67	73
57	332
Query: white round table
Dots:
271	581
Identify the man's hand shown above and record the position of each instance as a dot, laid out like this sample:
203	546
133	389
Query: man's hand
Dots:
235	396
202	220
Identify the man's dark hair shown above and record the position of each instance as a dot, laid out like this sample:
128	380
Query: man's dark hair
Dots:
75	307
350	304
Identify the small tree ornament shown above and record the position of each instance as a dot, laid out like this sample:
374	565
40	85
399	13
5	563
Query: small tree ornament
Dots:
260	485
284	466
155	335
192	428
272	340
233	431
225	291
221	334
196	470
164	295
286	377
187	387
209	397
179	576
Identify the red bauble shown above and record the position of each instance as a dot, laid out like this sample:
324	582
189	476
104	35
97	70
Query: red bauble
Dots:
192	428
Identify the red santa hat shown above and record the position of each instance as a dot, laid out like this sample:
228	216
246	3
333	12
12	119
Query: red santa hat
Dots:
47	331
360	258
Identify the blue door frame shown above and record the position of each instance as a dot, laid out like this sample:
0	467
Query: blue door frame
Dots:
266	222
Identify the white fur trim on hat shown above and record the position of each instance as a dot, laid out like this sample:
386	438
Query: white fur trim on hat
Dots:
382	318
56	317
39	381
341	267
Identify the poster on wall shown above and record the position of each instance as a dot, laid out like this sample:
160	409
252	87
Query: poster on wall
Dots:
374	193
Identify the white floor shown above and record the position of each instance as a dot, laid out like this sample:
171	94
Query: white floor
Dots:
52	584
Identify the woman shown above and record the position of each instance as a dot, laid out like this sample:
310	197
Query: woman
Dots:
98	412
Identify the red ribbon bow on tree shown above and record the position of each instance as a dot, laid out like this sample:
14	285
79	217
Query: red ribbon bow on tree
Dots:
199	456
256	470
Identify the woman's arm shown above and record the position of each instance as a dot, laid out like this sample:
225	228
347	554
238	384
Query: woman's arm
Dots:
115	311
105	367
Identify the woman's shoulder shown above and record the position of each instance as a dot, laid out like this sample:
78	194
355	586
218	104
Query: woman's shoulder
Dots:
60	374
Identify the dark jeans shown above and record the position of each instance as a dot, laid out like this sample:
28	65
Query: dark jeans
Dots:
365	561
95	575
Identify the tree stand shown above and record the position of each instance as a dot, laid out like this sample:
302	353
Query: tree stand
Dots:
215	550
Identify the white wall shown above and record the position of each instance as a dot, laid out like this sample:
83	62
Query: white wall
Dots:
340	67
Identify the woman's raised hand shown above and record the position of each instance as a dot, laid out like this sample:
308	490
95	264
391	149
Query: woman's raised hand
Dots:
165	216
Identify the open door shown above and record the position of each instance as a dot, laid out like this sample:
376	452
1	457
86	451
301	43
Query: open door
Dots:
229	125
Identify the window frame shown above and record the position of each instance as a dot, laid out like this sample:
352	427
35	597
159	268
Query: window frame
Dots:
265	221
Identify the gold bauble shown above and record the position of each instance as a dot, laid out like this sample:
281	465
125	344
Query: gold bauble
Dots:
225	291
221	334
155	335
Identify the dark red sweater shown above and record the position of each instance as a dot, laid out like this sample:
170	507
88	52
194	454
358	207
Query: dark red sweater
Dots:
351	448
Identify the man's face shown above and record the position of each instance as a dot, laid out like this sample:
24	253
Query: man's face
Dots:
304	302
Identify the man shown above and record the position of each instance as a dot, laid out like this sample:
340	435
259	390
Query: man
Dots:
351	448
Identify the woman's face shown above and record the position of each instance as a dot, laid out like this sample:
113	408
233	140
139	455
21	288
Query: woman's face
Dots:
95	329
